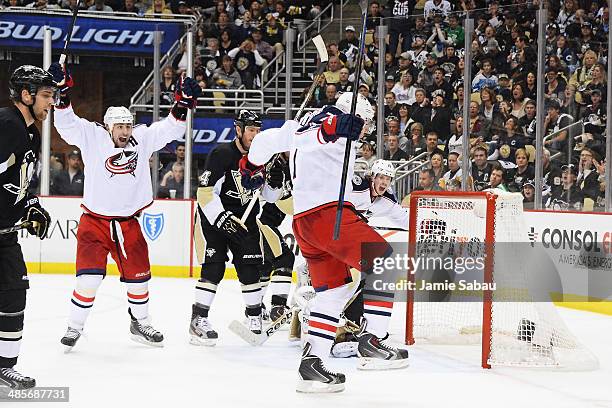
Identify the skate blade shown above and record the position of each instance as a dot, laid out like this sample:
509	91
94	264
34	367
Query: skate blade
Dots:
369	363
198	341
140	340
317	387
67	349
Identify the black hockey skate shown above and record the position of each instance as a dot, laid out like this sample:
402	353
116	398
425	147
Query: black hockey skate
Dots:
70	338
201	331
13	379
315	378
374	354
145	333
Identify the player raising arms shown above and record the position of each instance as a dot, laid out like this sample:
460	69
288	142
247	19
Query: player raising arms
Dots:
221	202
32	91
317	149
117	188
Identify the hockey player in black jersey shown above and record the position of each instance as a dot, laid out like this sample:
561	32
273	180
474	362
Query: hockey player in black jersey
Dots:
33	92
222	201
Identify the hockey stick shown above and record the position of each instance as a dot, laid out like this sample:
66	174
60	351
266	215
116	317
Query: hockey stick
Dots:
62	58
15	228
349	145
258	339
323	58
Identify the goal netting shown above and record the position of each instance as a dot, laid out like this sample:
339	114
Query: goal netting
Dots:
514	325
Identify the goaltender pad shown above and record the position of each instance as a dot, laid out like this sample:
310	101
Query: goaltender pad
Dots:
523	331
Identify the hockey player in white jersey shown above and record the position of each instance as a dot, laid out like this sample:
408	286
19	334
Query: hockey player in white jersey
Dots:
117	189
317	147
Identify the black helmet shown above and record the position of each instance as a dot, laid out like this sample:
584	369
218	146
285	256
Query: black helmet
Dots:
247	118
31	78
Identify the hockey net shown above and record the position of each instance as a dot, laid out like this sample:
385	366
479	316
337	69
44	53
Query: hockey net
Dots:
519	332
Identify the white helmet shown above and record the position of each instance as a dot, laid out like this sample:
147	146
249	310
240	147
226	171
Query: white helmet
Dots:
383	167
364	108
117	114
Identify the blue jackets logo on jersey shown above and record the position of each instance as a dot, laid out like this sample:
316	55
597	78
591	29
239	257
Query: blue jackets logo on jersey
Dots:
122	163
153	225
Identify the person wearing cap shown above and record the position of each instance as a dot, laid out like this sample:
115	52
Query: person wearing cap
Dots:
569	196
70	182
406	64
528	192
389	82
350	39
504	86
554	122
426	75
594	115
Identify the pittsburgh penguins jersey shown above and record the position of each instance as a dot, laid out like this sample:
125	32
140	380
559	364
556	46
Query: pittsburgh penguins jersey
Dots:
385	205
117	180
222	174
18	154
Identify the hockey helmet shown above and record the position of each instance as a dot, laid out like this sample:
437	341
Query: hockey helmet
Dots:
364	108
117	114
31	78
383	167
247	118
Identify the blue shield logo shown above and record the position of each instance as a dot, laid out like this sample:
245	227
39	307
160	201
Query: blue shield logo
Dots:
153	225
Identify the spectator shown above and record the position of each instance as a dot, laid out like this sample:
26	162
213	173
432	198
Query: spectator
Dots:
570	105
454	170
436	163
588	178
524	170
594	115
393	127
490	111
70	182
431	144
221	22
235	9
518	100
426	181
273	33
426	76
485	77
344	85
364	90
433	7
391	105
569	196
497	178
226	77
481	169
226	42
368	153
389	82
405	90
554	122
100	6
350	40
249	61
504	88
416	143
330	96
440	84
552	175
404	118
420	110
479	125
167	86
158	8
172	184
399	24
440	116
528	192
375	18
394	153
598	82
454	32
43	5
508	142
179	155
264	48
582	75
455	142
527	123
332	74
554	89
130	6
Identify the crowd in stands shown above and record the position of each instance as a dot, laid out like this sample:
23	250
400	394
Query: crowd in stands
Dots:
424	91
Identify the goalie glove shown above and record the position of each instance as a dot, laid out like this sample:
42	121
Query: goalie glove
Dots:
38	217
342	125
252	176
231	226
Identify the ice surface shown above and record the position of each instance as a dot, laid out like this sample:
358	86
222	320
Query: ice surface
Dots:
106	369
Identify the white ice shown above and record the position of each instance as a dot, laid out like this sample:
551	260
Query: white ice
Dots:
106	369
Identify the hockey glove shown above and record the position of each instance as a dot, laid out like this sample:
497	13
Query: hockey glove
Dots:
186	97
61	75
37	216
343	125
276	176
231	226
253	177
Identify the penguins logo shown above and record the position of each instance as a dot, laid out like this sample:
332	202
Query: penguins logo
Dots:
122	163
